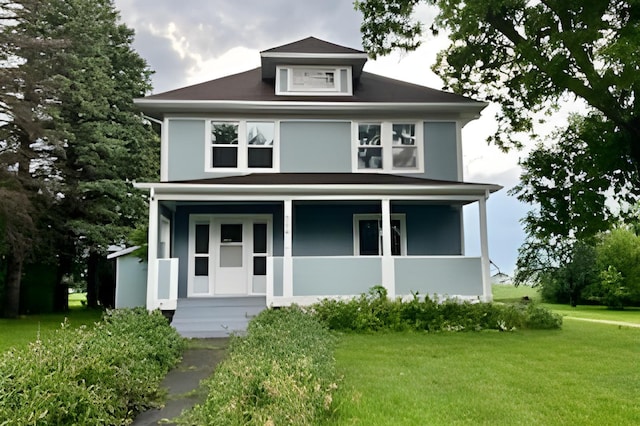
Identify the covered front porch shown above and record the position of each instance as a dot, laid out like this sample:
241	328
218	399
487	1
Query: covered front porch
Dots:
303	242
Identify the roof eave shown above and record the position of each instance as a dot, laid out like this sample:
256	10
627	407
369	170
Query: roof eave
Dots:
316	189
158	107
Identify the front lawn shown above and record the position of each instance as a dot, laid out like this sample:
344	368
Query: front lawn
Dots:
19	332
584	374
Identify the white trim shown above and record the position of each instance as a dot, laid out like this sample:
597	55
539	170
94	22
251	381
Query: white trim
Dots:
336	56
164	150
336	90
122	252
386	145
466	111
487	295
213	220
152	271
287	261
387	264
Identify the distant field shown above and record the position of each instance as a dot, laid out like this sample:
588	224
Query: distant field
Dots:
511	293
77	300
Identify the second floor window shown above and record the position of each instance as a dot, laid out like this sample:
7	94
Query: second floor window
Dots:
387	146
242	145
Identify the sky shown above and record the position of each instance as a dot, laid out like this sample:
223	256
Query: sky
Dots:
191	41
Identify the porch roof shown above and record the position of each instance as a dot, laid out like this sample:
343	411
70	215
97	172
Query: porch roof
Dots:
290	184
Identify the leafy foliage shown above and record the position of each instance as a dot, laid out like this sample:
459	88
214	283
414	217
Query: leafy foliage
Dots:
374	312
282	372
100	375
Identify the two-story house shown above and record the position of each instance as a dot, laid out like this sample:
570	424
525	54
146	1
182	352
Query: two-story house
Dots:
304	179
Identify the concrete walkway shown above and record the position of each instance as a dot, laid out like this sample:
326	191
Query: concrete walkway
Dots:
601	321
198	362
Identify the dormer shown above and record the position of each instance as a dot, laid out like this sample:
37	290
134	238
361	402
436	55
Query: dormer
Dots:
312	67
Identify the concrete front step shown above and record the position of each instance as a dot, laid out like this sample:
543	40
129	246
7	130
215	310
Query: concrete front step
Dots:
216	317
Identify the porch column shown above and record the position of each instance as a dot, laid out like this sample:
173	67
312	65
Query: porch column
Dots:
388	270
484	249
152	250
287	261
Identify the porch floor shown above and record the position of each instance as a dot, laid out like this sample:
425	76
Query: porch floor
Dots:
216	316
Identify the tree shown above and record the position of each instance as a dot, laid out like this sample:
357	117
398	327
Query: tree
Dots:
29	136
72	142
109	146
528	57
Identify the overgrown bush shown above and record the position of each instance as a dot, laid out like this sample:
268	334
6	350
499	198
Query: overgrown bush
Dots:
282	372
374	311
100	375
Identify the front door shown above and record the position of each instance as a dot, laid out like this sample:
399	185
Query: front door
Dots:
227	255
230	253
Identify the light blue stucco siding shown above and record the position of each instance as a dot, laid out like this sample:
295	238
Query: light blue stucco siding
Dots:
164	280
131	282
315	147
333	276
440	150
186	149
443	276
278	277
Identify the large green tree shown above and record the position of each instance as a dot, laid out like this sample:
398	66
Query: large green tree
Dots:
72	142
30	137
529	57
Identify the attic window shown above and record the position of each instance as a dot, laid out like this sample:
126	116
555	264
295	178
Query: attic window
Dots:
316	81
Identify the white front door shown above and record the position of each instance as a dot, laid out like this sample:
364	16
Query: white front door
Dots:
231	267
227	254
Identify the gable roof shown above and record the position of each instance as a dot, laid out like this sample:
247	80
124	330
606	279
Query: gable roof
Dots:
311	45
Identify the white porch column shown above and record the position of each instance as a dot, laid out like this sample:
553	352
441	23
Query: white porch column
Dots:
152	260
287	261
388	270
487	295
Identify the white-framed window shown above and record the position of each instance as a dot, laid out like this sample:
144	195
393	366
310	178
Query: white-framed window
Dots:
383	146
297	80
248	145
367	235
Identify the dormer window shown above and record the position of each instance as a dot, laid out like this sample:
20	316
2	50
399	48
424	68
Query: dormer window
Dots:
313	81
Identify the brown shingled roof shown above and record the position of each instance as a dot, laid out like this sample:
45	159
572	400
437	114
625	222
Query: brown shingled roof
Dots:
249	86
311	45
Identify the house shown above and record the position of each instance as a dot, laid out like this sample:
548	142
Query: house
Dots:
304	179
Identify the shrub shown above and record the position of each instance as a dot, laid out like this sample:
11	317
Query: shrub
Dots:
102	375
282	372
374	312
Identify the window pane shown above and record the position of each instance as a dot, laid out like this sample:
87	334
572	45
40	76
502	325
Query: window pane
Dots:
404	134
231	233
369	158
259	237
369	237
396	238
224	133
202	266
259	265
405	157
260	133
369	134
260	158
202	238
312	79
225	157
231	256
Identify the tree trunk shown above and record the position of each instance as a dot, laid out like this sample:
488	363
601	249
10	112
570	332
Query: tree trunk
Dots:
92	280
12	286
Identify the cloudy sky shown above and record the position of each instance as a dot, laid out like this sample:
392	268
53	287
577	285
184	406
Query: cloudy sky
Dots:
191	41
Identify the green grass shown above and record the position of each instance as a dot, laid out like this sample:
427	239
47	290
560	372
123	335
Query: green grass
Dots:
585	374
77	300
510	293
15	332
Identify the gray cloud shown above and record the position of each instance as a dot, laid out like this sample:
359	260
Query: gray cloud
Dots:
211	28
